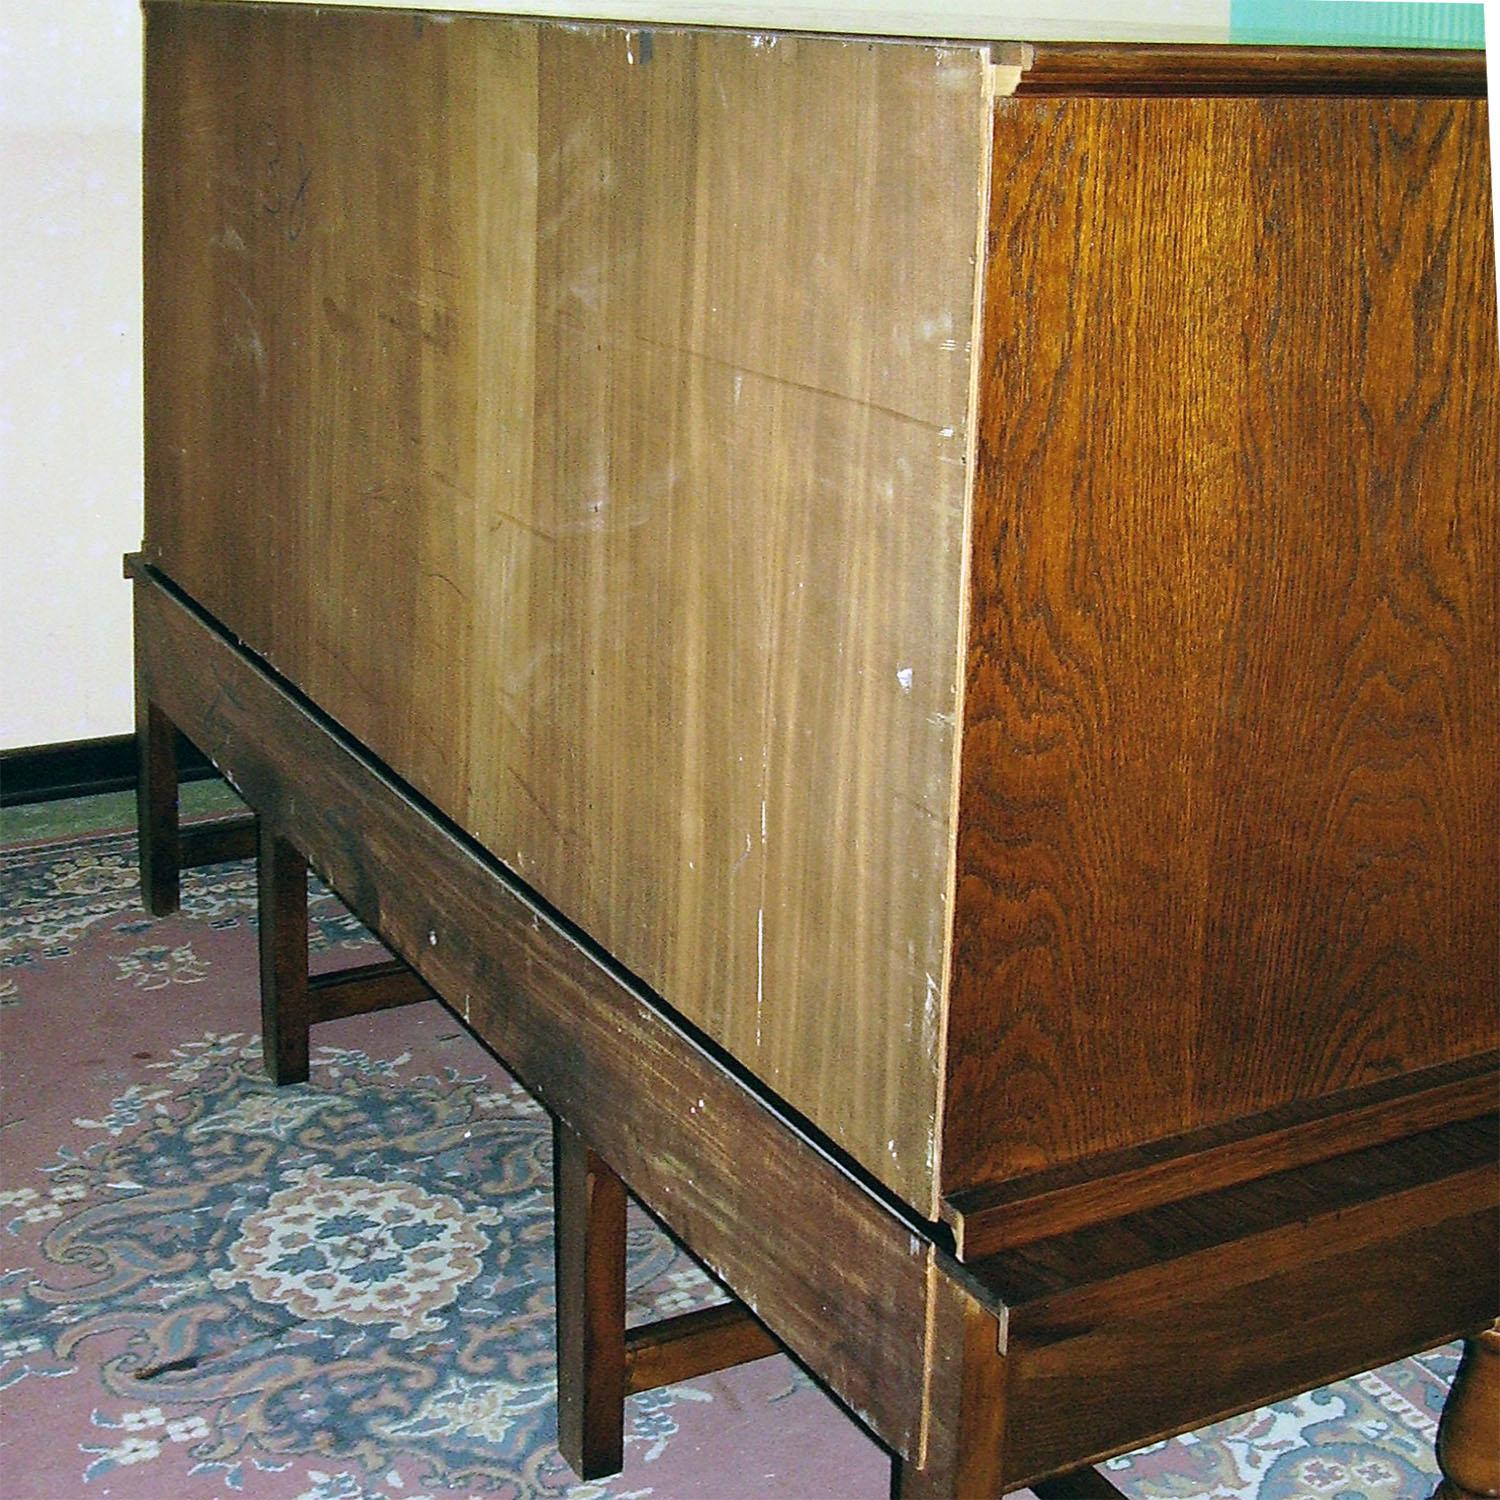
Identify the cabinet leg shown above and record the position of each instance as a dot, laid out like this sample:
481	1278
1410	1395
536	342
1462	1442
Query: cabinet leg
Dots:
1468	1441
966	1426
590	1241
285	1009
156	807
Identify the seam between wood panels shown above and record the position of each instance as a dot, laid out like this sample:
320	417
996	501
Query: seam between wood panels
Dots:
971	467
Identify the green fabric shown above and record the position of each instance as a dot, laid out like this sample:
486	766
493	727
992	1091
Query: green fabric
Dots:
1355	23
113	810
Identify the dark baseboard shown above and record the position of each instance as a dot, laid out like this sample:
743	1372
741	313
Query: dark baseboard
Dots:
84	768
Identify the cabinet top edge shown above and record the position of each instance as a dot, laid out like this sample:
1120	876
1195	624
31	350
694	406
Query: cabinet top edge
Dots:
1251	27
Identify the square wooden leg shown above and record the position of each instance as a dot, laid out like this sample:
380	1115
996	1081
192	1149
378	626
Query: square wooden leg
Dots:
156	808
285	995
966	1429
590	1245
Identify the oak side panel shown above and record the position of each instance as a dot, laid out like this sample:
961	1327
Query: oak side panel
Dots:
579	415
1228	830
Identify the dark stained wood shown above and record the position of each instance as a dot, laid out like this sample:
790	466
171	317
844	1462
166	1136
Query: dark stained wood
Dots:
514	368
962	1453
1114	70
156	808
1128	1382
84	768
1468	1440
1098	1189
218	840
709	1158
285	1011
1078	1484
1124	1333
369	987
589	1241
1233	1234
1228	831
693	1344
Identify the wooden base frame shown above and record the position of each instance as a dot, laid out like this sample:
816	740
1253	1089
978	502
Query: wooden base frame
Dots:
292	1000
980	1378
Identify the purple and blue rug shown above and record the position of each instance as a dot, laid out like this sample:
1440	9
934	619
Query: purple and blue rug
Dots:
343	1291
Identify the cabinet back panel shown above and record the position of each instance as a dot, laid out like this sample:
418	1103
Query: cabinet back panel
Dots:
1228	809
579	416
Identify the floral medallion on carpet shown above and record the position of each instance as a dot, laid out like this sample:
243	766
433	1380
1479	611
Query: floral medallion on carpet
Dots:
343	1290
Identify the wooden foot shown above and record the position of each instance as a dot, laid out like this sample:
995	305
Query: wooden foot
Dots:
1468	1441
285	1008
156	807
590	1244
966	1428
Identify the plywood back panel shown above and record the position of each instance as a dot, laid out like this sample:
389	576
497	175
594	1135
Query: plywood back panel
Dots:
1229	825
579	415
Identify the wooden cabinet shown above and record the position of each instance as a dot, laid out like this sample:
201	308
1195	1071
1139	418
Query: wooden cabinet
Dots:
908	631
970	571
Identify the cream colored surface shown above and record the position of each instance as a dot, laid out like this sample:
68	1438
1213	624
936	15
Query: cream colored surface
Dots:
1031	20
70	425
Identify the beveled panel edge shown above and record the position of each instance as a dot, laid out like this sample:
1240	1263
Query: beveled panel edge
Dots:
1168	70
1021	1211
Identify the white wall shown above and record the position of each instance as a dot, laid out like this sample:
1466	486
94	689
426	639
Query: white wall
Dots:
70	424
70	398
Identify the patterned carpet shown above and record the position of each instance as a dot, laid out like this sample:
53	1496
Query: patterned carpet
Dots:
343	1291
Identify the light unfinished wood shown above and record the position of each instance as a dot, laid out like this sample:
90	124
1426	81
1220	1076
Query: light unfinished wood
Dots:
596	402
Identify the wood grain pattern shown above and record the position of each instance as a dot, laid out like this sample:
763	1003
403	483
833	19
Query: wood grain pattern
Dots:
1130	1382
1058	69
709	1158
967	1376
1228	827
286	1009
216	841
589	1247
157	810
1126	1333
365	988
1112	1336
593	446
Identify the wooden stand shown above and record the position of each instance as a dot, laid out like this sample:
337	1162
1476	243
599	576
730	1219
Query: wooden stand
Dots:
980	1378
1468	1443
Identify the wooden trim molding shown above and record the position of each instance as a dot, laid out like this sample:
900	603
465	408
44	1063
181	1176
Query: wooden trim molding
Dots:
84	768
1060	69
1009	1214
